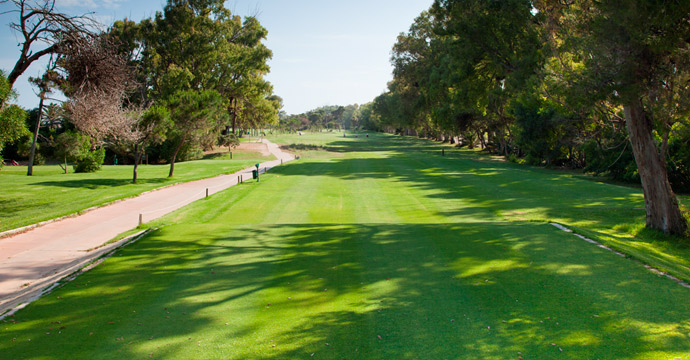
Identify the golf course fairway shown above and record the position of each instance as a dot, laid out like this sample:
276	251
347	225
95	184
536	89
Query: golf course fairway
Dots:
373	247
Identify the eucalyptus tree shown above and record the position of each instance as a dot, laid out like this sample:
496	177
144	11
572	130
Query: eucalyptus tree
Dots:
243	62
633	54
490	50
181	52
199	46
413	60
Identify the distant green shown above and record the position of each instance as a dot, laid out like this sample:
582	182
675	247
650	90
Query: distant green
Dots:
26	200
375	248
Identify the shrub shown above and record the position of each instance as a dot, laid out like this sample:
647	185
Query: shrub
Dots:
90	162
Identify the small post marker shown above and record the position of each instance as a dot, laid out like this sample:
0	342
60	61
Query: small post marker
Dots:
206	192
281	161
231	155
443	152
141	219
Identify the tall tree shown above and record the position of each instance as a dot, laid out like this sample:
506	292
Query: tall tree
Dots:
491	49
241	68
631	51
198	45
413	61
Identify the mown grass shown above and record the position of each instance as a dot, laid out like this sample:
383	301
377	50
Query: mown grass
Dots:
610	213
378	252
49	193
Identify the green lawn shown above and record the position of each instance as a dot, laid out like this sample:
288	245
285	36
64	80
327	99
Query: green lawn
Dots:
27	200
377	251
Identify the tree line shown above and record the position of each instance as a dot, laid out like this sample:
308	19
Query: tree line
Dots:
329	117
190	78
597	85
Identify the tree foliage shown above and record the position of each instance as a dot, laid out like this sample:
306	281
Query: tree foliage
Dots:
12	117
584	84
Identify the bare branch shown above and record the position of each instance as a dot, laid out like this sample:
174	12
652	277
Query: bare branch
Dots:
38	23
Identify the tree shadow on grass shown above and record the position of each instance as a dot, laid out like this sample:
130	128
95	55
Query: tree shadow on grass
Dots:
100	183
497	189
360	291
10	206
376	142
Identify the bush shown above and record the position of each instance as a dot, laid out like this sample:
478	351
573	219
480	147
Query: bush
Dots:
611	156
90	162
515	159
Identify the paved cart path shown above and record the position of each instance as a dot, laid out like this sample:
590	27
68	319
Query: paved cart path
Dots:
34	260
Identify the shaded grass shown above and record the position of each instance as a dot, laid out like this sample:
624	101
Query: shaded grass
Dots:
376	254
358	292
610	213
48	194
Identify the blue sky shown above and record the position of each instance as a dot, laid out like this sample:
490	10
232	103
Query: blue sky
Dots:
324	52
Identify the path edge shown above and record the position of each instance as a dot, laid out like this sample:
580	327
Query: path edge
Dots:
63	276
20	230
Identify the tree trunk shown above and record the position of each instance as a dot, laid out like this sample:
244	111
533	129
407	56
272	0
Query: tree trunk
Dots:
32	154
137	159
177	150
233	106
661	204
482	143
65	168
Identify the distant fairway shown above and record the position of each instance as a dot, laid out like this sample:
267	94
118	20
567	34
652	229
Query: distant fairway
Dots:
377	248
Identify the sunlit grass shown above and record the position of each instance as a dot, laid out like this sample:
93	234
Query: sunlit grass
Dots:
382	253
